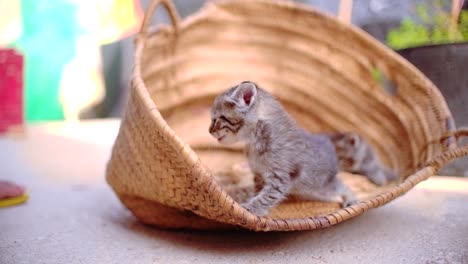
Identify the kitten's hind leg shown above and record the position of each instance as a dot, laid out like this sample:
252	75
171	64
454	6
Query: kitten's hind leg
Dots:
336	192
349	198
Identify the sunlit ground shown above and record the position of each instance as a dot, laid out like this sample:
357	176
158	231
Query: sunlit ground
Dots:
444	184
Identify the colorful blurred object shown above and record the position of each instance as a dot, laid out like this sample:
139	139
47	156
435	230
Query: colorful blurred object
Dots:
11	90
10	22
110	20
60	40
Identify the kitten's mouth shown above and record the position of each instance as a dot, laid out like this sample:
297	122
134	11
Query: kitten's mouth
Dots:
221	138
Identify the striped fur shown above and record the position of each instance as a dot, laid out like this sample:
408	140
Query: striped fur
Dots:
355	155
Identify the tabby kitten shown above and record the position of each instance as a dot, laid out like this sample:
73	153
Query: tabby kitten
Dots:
355	155
285	159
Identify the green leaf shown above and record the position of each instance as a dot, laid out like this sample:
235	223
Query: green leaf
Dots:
409	34
376	75
463	26
434	29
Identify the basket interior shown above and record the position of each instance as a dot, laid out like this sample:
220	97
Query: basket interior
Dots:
327	75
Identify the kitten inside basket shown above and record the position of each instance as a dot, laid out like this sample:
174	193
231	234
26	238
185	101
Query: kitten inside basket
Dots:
285	159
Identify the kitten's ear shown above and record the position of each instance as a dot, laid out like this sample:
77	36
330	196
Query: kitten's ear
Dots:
245	94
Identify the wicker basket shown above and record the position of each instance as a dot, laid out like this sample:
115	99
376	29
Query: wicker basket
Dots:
164	162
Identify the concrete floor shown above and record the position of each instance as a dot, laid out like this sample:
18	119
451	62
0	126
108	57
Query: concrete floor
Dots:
73	216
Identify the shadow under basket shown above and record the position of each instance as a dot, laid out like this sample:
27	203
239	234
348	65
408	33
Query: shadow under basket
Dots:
330	76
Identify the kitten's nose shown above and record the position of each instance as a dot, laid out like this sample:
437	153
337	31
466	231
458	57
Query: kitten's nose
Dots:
215	126
212	127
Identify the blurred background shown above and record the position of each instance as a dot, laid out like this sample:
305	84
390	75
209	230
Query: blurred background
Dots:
72	59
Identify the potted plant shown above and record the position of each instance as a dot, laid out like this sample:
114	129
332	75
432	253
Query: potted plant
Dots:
437	44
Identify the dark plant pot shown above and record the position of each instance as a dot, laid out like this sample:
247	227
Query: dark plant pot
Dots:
446	66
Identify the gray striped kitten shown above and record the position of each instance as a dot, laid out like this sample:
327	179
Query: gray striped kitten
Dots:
355	155
285	159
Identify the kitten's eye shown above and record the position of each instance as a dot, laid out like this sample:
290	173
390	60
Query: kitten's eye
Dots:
228	120
229	104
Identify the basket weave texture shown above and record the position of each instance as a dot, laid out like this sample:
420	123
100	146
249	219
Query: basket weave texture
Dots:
166	168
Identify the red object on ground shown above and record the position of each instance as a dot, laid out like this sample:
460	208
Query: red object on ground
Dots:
9	189
11	89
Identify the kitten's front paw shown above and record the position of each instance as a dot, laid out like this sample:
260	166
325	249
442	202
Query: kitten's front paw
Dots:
254	209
